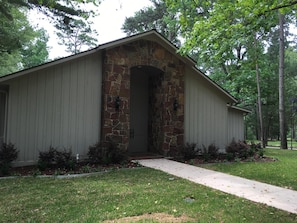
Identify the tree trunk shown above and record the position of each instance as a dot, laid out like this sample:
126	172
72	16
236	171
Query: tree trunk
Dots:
259	97
282	126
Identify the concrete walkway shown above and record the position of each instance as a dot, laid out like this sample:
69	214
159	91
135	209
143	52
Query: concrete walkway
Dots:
277	197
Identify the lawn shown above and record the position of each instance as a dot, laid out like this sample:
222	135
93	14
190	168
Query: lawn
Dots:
282	172
146	193
277	143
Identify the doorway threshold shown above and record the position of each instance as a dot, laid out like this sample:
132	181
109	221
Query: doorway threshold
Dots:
145	155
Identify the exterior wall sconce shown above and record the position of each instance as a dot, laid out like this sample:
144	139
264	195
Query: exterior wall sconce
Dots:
117	103
175	105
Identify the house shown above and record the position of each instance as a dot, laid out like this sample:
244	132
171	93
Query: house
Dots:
136	91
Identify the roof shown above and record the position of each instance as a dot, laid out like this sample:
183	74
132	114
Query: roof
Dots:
152	35
244	110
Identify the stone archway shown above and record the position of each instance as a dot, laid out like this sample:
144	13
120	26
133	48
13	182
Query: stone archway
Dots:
145	110
168	120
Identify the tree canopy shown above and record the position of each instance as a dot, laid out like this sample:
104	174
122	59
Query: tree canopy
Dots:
154	17
21	46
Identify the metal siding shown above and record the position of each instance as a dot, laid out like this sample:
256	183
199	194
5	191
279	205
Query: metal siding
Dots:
58	106
205	113
235	125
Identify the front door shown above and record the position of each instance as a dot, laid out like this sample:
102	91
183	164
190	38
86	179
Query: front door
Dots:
139	109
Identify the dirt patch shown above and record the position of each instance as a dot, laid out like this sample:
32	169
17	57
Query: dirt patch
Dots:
155	217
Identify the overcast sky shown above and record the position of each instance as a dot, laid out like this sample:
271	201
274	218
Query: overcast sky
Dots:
112	14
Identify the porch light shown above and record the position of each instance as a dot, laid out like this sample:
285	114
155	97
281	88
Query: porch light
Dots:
175	105
117	103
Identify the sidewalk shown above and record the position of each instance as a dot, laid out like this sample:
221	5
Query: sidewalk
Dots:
274	196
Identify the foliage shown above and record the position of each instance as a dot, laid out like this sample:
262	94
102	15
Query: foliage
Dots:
53	158
35	52
242	150
154	17
210	152
106	153
20	45
15	34
76	35
8	153
189	151
229	39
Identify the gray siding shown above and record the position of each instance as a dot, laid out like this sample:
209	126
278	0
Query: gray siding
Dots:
235	125
58	106
206	113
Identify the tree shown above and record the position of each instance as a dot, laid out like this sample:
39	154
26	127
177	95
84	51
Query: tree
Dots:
219	31
154	17
76	35
17	41
283	134
35	51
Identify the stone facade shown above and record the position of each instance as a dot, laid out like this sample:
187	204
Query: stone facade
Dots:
166	95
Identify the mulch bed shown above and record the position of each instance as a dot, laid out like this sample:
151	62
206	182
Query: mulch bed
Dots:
79	169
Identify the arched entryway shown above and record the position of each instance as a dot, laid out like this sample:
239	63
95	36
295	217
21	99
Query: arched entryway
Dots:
145	84
157	78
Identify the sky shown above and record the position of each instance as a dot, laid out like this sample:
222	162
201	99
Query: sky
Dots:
108	23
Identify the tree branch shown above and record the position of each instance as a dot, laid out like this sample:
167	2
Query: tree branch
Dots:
280	7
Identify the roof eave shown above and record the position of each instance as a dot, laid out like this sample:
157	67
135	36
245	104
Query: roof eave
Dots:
47	65
244	110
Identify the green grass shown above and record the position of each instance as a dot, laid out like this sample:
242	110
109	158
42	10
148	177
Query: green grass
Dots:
121	193
277	143
282	172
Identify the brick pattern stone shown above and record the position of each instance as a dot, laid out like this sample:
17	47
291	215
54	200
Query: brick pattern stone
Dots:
166	125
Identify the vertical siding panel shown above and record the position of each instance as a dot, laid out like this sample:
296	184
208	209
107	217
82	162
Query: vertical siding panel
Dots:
205	113
73	106
81	106
31	118
40	116
58	106
22	117
65	106
13	118
49	109
92	100
58	75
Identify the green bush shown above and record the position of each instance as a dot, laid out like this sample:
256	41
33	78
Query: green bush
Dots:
189	151
106	153
54	158
242	150
7	154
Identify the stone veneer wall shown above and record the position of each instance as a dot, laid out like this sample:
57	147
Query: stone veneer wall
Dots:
166	124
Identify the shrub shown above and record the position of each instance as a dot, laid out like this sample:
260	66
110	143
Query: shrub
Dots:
46	159
257	149
210	152
238	149
189	151
95	153
106	153
7	154
242	150
56	159
213	151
